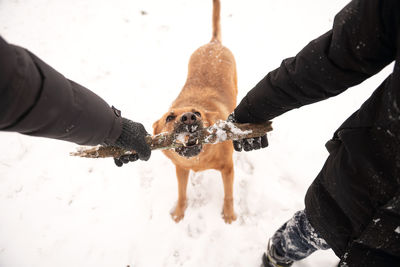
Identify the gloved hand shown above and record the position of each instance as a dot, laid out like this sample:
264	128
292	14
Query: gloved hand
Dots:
248	144
132	138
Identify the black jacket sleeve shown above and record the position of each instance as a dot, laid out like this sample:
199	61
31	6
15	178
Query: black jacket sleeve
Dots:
37	100
359	45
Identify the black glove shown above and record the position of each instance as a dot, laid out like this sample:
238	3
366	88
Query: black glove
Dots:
132	138
248	144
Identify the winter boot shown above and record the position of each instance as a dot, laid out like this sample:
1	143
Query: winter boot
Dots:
273	259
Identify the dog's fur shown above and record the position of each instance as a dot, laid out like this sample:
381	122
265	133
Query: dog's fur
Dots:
210	93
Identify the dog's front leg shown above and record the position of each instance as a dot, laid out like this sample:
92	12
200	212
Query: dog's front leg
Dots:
182	176
228	212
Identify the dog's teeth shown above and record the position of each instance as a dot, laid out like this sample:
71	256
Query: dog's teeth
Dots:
197	141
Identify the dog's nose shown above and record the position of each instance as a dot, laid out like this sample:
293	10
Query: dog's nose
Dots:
188	118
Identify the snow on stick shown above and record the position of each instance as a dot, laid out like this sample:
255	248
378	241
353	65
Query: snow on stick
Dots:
219	132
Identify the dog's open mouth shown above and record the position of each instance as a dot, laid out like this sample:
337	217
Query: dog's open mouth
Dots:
188	136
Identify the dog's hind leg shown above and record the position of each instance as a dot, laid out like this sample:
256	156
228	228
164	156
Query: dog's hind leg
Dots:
182	176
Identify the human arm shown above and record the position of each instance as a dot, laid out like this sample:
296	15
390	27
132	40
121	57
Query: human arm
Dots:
37	100
359	45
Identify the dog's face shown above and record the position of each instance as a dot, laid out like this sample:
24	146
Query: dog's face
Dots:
186	123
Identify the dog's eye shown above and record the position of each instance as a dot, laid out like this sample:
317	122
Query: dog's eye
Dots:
197	114
170	118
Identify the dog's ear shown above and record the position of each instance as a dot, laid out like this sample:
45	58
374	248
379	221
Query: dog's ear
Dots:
157	127
211	118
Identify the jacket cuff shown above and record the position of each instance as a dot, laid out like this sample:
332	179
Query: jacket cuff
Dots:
256	106
116	128
243	113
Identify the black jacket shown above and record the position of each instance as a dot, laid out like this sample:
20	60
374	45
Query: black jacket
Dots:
37	100
354	203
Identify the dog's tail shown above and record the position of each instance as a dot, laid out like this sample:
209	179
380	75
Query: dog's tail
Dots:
216	35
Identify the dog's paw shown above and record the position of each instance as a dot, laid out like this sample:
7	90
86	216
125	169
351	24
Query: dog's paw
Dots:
228	214
229	217
179	212
177	216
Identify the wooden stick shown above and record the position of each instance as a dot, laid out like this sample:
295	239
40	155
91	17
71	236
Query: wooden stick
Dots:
217	133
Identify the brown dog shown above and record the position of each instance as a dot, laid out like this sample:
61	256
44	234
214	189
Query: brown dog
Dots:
208	95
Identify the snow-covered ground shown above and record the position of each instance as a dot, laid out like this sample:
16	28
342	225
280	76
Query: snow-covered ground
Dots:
58	210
